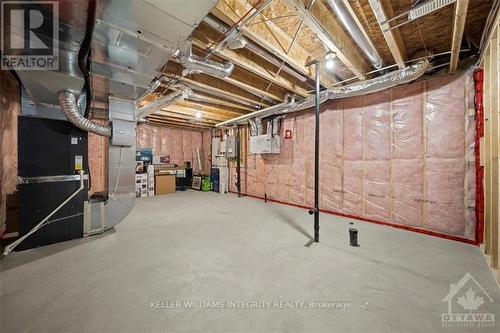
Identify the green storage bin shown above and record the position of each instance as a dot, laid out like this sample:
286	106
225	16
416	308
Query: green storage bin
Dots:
205	184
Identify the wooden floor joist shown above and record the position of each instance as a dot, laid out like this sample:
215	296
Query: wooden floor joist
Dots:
459	16
383	10
268	36
209	100
256	68
331	33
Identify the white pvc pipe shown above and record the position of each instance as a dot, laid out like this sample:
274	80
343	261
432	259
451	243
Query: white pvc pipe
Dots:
12	246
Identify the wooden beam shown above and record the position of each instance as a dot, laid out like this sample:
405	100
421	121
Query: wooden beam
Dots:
239	80
180	126
181	117
383	10
174	69
219	102
332	34
189	111
269	36
256	68
179	122
459	16
211	109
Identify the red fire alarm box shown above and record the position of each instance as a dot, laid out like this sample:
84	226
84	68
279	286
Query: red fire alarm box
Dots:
288	134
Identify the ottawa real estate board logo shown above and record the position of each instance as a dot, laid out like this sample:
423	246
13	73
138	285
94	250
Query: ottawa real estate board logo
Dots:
30	35
466	305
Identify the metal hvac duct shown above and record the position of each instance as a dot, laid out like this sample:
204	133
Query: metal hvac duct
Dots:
350	25
395	78
69	106
389	80
289	101
171	98
222	28
195	64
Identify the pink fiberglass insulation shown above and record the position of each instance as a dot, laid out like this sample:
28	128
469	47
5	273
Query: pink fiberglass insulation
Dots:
397	156
163	141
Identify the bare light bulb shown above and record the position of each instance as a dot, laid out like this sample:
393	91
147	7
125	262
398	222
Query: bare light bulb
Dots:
329	64
198	114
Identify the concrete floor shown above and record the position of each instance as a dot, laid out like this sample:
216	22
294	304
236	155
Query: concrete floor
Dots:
194	246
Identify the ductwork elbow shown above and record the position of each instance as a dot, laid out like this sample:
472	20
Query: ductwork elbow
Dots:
68	102
182	92
195	64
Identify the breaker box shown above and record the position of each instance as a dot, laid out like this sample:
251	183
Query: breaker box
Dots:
265	144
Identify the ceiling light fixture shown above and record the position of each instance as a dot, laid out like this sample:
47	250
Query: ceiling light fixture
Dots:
330	55
198	114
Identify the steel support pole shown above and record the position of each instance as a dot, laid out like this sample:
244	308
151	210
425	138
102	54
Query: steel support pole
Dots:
238	161
316	157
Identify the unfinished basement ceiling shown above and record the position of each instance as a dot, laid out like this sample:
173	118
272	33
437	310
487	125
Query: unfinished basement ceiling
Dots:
279	43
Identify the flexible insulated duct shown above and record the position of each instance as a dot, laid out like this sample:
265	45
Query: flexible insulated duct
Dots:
389	80
68	102
349	23
395	78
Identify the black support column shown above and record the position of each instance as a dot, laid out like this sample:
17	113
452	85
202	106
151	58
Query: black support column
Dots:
316	157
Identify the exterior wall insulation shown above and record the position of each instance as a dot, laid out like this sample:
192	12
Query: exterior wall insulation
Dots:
401	156
10	108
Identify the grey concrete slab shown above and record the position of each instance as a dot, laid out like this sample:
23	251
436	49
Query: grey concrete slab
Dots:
217	249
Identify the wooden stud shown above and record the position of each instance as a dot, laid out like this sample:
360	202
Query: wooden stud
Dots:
459	17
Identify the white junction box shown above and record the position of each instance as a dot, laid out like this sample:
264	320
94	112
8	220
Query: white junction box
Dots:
265	144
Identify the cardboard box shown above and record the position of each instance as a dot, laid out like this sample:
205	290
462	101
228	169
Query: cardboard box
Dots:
164	184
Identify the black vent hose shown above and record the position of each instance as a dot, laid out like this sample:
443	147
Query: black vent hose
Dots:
85	52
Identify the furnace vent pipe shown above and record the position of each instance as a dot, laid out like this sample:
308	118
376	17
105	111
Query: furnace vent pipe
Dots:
68	102
350	25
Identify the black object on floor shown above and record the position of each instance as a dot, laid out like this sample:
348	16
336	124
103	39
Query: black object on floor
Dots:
353	237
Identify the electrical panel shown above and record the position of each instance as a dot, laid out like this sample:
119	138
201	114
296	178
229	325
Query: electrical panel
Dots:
265	144
231	146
